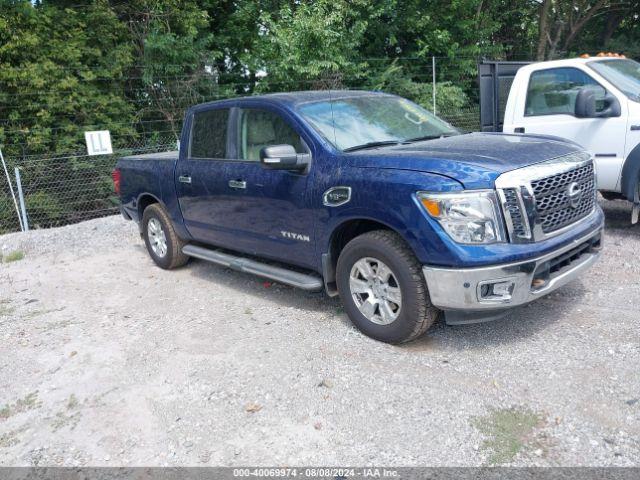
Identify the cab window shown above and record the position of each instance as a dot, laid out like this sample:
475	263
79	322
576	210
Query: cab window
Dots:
554	91
261	128
209	134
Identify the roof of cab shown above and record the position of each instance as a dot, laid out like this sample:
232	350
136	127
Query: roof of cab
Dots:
297	98
566	62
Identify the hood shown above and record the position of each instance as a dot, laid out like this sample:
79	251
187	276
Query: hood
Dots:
475	159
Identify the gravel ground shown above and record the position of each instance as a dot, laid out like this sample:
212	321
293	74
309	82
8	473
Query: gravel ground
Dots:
107	360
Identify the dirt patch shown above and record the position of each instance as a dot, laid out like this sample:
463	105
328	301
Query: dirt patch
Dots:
133	365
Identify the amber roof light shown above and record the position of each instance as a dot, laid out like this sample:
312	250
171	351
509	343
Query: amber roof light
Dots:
605	54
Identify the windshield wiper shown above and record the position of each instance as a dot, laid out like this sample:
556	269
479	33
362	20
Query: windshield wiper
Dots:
381	143
428	137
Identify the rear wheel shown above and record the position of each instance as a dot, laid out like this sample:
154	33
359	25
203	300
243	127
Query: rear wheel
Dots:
382	287
163	244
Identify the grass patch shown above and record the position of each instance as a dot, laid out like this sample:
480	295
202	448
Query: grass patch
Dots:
37	313
507	432
9	439
72	402
13	256
6	309
21	405
62	421
69	417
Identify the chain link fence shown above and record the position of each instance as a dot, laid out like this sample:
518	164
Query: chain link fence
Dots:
73	187
70	186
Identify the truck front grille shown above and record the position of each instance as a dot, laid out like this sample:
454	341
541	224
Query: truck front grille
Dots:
512	205
541	199
553	203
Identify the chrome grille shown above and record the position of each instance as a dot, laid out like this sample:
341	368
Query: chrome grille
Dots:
540	200
512	205
552	197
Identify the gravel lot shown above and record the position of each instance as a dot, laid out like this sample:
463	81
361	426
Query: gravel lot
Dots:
107	360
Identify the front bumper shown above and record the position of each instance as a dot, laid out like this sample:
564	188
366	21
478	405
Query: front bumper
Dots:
465	294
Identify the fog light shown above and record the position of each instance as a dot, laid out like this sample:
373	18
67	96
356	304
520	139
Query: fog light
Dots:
496	291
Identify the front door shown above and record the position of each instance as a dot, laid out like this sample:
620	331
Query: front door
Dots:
549	109
242	206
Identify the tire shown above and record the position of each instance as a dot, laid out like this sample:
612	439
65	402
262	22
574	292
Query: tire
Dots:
398	316
157	226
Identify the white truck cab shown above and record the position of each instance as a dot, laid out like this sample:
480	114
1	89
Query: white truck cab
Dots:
593	101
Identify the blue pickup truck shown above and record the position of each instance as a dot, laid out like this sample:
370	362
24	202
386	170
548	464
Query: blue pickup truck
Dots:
371	197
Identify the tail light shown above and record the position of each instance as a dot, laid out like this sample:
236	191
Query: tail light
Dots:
115	175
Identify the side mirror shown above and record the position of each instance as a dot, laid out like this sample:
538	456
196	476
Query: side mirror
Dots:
283	157
586	105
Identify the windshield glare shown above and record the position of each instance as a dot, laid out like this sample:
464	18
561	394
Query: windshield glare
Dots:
372	118
624	74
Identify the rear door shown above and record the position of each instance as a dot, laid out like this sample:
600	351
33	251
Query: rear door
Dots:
199	174
548	108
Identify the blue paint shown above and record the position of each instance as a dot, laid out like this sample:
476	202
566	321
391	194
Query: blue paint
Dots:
383	181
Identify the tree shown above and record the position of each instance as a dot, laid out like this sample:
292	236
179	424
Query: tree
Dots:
562	21
61	70
313	44
172	50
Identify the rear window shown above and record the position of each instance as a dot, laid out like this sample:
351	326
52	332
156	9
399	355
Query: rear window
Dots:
209	134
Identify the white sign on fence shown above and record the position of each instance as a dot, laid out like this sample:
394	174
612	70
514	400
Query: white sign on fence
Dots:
98	142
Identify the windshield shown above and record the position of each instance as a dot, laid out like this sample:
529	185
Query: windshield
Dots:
624	74
373	120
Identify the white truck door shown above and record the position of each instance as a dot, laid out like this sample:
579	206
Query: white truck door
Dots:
548	108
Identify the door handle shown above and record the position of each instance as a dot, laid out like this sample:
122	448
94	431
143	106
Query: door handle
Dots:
237	184
518	130
184	179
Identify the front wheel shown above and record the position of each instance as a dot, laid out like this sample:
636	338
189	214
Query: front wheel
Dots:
163	244
382	287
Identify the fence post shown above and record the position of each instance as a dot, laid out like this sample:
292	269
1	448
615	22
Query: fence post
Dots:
13	195
23	208
433	82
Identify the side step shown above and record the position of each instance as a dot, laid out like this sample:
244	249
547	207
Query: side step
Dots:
304	281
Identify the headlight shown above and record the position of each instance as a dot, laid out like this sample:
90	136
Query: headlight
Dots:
468	217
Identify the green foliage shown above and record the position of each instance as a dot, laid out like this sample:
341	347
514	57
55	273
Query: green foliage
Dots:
313	45
46	207
8	217
12	256
508	432
172	46
134	67
395	79
57	72
624	43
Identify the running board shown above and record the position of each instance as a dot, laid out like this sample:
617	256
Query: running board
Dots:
289	277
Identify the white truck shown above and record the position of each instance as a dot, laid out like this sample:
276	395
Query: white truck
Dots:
591	100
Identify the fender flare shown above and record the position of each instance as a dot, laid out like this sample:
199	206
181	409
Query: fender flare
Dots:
137	207
328	261
178	221
630	174
147	194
